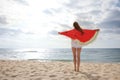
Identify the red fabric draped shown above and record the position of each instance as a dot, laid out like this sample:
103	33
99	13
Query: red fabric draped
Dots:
75	34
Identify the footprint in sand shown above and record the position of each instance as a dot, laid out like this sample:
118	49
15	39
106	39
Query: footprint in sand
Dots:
52	75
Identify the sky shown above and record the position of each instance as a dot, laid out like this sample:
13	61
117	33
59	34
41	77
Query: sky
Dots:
36	23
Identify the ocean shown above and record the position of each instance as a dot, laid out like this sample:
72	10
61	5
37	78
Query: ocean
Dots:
62	54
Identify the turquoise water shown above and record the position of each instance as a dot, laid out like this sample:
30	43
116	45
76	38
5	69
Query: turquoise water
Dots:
65	54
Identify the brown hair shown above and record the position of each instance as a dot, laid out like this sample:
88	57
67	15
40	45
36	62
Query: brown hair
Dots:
77	27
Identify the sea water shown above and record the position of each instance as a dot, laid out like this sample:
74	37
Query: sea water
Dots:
62	54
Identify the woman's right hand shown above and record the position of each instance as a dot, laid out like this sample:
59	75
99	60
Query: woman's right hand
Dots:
97	29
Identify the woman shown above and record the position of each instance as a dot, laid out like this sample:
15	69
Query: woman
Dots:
76	48
86	36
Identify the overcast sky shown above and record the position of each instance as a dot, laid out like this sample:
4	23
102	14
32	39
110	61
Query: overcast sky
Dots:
35	23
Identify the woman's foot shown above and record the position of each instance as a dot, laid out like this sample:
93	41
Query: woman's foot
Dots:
75	69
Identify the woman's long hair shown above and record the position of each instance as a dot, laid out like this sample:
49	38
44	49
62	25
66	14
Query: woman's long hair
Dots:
77	27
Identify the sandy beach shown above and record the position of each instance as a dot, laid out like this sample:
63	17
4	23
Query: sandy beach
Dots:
36	70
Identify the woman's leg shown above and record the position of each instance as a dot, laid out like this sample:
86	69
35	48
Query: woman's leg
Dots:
78	58
74	57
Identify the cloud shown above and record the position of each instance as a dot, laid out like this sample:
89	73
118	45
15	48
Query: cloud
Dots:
64	26
53	32
52	11
48	11
46	19
112	20
114	14
9	32
24	2
78	4
110	24
118	3
89	14
112	31
3	19
12	32
85	23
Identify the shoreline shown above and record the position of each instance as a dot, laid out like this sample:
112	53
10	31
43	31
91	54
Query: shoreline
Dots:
47	60
57	70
